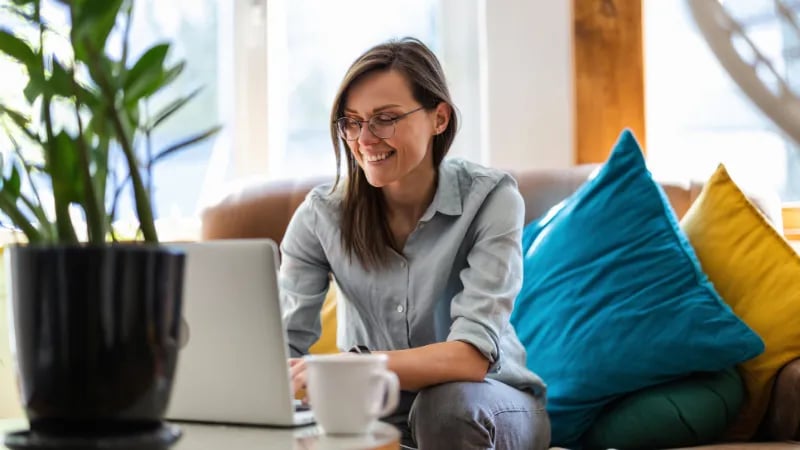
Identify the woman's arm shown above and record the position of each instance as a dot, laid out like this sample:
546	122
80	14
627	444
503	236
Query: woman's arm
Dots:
437	363
303	279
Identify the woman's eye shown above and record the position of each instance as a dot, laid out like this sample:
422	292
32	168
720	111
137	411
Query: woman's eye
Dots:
383	119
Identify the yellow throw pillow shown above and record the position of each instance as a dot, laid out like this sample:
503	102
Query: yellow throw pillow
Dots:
757	273
327	339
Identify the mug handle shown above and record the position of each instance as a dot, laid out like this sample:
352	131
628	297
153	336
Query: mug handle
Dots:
391	387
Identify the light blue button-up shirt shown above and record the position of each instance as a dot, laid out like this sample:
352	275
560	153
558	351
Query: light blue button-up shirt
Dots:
456	279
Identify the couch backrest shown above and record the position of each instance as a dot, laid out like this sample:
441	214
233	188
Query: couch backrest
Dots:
544	188
264	210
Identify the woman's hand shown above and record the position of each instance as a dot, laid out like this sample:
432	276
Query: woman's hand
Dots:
297	370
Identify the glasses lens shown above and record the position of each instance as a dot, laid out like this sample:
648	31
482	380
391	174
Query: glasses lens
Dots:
349	129
382	126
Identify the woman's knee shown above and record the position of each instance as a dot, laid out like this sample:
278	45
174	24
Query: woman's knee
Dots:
478	415
448	413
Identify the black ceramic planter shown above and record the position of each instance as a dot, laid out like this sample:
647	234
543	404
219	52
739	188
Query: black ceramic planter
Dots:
96	335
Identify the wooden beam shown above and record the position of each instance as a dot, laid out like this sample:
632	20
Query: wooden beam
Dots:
791	221
608	74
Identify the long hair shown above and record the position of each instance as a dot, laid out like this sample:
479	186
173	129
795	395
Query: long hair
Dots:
364	227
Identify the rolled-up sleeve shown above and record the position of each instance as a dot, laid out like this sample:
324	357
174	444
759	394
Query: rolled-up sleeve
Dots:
303	279
493	277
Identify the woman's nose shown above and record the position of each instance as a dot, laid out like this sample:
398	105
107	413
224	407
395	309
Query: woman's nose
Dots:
367	137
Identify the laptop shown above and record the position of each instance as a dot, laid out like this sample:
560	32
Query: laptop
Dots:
232	367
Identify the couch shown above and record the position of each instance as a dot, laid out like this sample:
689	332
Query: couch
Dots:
264	210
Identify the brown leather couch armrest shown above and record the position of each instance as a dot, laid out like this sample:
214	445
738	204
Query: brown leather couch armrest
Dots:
259	210
782	421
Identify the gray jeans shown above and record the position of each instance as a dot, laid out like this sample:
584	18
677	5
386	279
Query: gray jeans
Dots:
465	415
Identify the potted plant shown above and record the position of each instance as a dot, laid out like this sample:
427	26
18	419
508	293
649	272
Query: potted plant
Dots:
95	318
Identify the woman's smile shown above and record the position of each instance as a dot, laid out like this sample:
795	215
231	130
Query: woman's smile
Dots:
376	158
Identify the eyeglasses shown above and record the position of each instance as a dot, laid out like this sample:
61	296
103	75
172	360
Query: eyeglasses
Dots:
381	125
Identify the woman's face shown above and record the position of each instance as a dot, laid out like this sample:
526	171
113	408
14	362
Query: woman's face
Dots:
387	94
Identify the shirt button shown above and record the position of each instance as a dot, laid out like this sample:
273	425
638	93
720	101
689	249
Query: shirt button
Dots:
402	263
400	308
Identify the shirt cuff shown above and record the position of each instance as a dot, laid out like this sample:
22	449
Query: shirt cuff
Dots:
478	336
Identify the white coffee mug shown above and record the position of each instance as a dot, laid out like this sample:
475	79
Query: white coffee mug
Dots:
348	392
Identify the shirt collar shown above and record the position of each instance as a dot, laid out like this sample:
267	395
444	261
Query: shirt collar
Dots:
447	199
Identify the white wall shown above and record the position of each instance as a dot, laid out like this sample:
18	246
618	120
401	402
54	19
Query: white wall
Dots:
528	84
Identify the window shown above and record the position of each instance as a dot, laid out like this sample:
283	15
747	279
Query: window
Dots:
312	43
269	71
697	116
191	27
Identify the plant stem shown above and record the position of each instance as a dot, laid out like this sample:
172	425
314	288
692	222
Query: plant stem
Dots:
126	34
148	142
66	232
143	209
95	226
35	206
19	219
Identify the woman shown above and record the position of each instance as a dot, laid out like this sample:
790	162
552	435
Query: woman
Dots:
427	253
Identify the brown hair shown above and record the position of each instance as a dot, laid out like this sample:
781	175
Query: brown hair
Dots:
365	230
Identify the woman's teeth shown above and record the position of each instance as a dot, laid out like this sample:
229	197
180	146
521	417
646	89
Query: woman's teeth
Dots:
378	157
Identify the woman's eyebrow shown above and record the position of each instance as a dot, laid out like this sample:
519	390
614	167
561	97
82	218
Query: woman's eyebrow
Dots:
378	109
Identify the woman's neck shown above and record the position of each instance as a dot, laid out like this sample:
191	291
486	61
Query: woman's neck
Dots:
408	198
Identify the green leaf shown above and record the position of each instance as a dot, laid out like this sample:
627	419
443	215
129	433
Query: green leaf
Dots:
147	74
64	169
185	143
36	83
132	114
162	155
99	125
17	117
103	71
172	108
35	204
34	88
9	206
92	21
13	185
21	123
17	49
26	17
99	154
172	74
60	82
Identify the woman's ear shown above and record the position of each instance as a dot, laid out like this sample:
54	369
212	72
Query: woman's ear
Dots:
441	117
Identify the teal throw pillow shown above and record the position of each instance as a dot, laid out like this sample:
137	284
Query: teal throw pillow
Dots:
695	410
613	299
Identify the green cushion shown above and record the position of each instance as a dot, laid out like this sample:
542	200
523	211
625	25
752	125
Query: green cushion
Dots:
691	411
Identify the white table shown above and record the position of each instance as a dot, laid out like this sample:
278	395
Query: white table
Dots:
214	437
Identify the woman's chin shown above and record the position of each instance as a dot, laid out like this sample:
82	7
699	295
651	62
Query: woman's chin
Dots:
377	181
378	176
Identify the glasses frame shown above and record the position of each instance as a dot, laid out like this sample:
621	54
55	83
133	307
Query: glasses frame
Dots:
361	123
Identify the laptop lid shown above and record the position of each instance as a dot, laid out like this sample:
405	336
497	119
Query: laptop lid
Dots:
233	365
